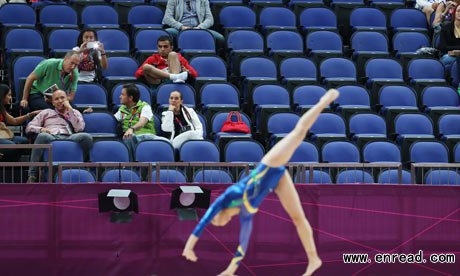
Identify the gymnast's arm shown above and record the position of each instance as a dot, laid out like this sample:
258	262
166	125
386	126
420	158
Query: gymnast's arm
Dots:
245	235
215	208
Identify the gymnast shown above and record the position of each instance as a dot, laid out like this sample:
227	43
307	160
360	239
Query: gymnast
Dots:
244	197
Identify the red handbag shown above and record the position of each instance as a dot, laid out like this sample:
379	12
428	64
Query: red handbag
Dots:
232	126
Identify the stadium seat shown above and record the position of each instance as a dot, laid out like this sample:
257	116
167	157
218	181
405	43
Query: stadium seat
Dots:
154	151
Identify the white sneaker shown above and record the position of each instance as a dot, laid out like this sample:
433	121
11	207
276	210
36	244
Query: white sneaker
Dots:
179	78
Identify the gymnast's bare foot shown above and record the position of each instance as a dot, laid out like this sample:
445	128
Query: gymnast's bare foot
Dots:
313	265
330	96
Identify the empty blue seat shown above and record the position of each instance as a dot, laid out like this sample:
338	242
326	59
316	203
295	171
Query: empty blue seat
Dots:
65	151
243	151
90	95
212	176
383	71
192	42
296	70
392	177
169	176
337	71
354	176
442	177
210	69
199	151
281	44
353	99
154	151
120	175
367	126
62	40
305	152
408	20
314	19
426	71
381	151
407	43
431	152
413	126
99	16
58	16
449	127
17	15
116	42
368	19
22	67
145	17
103	125
349	153
237	17
395	98
277	18
441	99
215	95
22	42
317	177
328	126
322	44
109	151
74	176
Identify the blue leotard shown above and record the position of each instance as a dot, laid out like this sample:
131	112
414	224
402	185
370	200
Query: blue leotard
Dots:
247	194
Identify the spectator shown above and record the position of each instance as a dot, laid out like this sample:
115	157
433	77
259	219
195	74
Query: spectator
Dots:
164	66
444	13
449	41
61	123
136	118
181	121
427	7
93	56
62	73
183	15
6	118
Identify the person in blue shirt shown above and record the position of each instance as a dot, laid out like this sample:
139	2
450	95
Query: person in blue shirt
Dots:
244	197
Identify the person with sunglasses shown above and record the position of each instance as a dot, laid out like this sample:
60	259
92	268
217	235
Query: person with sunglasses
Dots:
180	121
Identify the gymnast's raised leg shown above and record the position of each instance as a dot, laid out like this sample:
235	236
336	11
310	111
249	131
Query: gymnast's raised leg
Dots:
279	155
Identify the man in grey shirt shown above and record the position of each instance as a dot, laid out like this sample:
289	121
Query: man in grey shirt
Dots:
183	15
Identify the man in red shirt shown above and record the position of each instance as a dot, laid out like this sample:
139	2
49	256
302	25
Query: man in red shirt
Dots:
166	65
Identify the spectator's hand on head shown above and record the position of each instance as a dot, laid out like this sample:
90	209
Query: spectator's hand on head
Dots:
67	105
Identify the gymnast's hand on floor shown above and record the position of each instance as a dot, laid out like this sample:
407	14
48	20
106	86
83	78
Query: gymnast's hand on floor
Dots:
189	255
